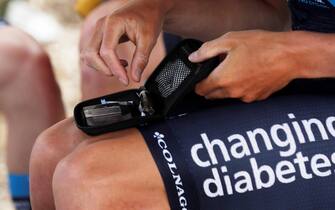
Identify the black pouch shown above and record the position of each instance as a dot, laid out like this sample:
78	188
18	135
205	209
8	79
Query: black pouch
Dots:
168	92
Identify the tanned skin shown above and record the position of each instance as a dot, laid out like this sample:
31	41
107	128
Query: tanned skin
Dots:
96	172
30	98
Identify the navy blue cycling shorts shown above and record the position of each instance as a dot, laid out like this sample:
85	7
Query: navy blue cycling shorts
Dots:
277	154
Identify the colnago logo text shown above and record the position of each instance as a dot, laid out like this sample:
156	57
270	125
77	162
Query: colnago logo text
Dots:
318	3
173	169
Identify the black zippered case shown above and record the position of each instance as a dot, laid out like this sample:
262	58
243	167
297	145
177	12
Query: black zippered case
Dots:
168	92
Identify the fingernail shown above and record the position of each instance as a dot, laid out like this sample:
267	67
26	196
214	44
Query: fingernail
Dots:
138	75
123	81
193	56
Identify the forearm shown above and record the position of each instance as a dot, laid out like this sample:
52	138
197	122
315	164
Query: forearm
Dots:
206	20
312	54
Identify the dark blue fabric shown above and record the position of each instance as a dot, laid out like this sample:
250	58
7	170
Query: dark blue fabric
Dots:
312	15
225	120
173	171
3	22
221	122
171	41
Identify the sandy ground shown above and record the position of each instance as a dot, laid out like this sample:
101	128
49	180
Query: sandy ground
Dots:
64	56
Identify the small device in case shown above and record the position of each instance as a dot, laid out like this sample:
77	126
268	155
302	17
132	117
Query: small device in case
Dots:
169	88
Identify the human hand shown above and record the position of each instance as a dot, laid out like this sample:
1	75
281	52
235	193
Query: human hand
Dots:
137	21
256	64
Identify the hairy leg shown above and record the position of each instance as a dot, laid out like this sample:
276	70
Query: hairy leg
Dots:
126	150
50	148
95	83
29	96
58	141
117	172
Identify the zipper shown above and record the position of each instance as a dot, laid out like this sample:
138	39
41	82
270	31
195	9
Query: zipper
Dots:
145	107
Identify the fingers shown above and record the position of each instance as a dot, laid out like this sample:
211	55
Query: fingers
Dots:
211	49
217	94
101	54
90	56
206	86
142	53
113	31
216	80
237	92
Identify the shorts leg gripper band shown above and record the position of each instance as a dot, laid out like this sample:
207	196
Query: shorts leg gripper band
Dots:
19	185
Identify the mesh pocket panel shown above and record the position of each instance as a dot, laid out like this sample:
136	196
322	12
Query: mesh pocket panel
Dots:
171	77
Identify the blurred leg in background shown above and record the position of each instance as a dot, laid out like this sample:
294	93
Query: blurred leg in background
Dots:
30	101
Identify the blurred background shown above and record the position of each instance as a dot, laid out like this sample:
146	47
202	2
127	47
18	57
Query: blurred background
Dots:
56	26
